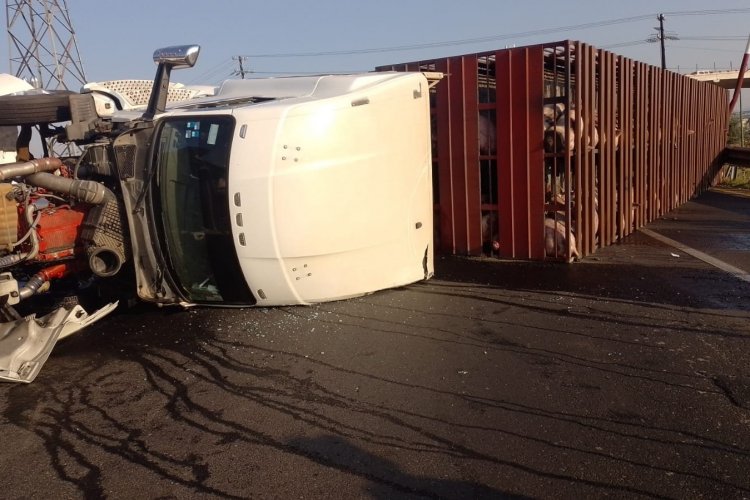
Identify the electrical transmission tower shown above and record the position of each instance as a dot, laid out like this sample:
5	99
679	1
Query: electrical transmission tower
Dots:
42	43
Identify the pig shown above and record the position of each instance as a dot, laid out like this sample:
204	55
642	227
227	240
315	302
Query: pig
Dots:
551	113
627	217
555	240
617	135
554	132
490	243
487	136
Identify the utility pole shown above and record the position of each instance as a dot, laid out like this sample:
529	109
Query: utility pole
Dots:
660	36
242	70
660	17
43	46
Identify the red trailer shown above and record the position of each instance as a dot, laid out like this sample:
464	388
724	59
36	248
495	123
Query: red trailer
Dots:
554	150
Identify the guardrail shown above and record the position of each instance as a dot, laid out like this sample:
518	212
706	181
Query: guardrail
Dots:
736	155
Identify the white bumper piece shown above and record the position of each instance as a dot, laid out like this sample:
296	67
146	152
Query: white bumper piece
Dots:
25	344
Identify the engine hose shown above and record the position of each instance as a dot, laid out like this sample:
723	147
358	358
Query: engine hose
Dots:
102	234
31	287
86	191
11	170
15	258
46	275
29	213
11	259
102	229
32	228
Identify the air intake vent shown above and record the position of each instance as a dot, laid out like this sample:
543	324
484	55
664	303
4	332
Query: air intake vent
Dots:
125	156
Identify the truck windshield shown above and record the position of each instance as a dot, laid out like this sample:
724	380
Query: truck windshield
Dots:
192	161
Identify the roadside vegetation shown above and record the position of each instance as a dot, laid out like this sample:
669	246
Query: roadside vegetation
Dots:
736	176
741	179
739	131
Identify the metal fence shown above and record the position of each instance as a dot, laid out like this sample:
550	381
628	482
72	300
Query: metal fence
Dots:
554	150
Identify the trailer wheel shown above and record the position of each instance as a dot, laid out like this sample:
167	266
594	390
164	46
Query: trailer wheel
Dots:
33	109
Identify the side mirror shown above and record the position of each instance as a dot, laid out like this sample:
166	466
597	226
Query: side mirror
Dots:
168	58
179	56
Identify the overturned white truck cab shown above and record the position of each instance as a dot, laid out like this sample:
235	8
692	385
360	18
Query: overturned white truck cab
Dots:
270	192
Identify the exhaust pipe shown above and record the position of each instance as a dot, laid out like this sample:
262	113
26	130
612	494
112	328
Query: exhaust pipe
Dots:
44	276
11	170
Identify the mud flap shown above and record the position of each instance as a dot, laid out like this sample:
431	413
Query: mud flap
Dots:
25	344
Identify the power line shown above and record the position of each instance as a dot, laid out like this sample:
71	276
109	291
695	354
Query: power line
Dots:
695	47
624	44
311	73
682	38
223	67
493	38
464	41
707	12
714	38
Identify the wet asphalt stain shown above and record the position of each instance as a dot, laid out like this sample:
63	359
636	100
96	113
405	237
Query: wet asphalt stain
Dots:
623	375
736	389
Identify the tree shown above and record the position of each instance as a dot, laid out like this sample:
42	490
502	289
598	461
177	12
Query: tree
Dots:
739	131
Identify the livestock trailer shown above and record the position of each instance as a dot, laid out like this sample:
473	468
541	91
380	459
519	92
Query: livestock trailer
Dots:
551	151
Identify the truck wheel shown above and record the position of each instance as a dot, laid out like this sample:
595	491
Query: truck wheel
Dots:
33	109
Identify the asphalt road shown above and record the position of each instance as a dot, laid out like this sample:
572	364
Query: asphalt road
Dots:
625	375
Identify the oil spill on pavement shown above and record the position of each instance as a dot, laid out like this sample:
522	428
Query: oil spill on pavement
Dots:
737	389
619	376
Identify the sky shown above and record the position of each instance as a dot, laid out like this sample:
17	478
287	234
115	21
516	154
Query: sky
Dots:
116	40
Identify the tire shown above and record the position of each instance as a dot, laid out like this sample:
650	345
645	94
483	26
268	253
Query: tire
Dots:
33	109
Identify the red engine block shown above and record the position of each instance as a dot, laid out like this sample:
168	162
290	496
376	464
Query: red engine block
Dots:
59	231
